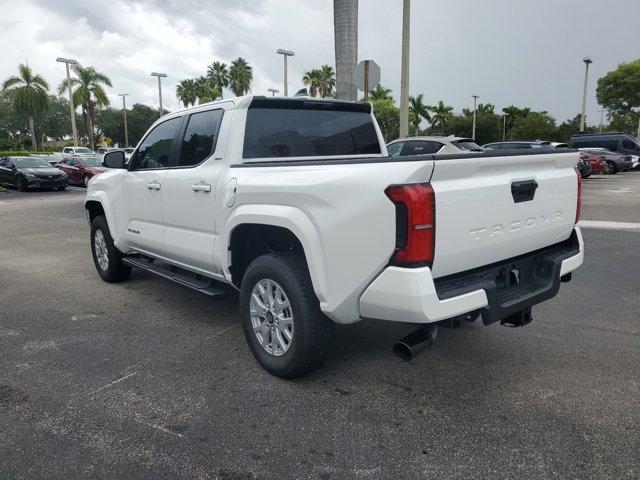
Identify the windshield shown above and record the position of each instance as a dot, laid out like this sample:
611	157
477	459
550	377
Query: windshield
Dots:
91	162
83	150
31	162
468	145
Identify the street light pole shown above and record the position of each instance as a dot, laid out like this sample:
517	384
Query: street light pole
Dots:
124	109
285	54
475	107
67	62
587	61
273	91
160	76
404	69
504	126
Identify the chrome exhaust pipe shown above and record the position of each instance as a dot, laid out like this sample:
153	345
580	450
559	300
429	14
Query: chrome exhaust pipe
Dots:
414	343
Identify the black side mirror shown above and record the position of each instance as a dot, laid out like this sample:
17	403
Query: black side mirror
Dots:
114	159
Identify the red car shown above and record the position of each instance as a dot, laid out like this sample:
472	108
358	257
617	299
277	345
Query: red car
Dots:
80	170
598	163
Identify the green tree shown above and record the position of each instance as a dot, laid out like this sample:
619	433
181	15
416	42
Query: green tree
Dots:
218	74
187	92
110	122
418	110
89	93
29	94
442	114
536	125
55	122
623	122
240	76
207	91
514	113
380	93
313	79
388	117
568	128
328	81
619	90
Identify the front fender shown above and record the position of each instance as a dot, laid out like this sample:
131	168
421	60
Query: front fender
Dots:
102	198
284	216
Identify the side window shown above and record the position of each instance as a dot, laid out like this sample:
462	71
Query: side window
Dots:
155	149
66	150
200	137
72	162
420	147
629	145
394	149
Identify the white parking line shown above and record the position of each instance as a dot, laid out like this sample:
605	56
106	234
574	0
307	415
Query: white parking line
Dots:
609	225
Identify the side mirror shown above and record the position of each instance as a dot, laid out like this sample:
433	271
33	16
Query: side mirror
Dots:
114	159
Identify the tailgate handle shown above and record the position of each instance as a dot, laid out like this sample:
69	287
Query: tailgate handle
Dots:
523	191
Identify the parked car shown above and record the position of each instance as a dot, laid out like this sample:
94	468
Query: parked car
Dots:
30	172
615	162
518	144
77	151
597	162
559	145
621	143
81	170
315	224
584	166
431	145
103	150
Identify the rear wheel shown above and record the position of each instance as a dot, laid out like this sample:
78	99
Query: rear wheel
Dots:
611	168
21	184
281	318
106	257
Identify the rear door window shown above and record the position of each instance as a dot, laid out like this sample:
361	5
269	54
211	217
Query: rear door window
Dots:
420	147
200	137
301	128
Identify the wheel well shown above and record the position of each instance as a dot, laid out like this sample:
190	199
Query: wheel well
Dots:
94	209
249	241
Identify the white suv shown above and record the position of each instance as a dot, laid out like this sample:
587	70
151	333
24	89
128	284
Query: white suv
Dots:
432	145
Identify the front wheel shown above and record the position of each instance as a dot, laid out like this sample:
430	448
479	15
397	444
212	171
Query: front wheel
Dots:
21	184
281	318
106	257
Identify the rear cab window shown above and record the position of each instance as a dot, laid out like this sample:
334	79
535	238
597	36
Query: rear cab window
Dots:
307	128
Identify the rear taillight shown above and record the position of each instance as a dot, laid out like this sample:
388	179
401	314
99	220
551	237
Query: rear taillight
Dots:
579	201
415	224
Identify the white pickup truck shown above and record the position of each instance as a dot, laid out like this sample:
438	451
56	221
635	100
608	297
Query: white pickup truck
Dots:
295	203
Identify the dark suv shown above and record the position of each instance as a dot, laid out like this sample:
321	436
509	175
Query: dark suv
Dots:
621	143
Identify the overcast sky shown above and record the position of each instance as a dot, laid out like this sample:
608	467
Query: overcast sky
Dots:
522	52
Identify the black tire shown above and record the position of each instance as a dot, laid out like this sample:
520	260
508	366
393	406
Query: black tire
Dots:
116	270
313	331
612	169
21	184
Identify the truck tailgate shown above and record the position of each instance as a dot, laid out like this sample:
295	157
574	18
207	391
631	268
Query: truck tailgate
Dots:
484	212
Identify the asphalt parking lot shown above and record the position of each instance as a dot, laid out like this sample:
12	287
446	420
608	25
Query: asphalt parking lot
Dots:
148	380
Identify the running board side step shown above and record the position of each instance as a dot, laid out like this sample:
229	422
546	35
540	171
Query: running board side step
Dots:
195	281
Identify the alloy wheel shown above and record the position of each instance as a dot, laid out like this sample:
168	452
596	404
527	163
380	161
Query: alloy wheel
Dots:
100	247
271	317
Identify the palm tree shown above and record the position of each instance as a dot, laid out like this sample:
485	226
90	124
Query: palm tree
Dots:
240	76
218	75
29	94
187	92
418	111
328	80
442	114
380	93
89	92
206	91
313	78
345	25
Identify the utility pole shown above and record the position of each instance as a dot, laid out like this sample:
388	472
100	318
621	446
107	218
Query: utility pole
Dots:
160	76
124	109
587	61
72	109
285	54
404	72
475	107
601	119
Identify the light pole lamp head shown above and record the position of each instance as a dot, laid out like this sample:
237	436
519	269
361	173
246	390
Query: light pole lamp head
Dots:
273	90
587	60
475	96
66	60
123	94
157	74
282	51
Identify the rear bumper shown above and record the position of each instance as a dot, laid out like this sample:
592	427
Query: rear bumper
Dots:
413	296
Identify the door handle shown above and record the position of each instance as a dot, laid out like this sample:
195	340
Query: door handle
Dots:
201	187
153	186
